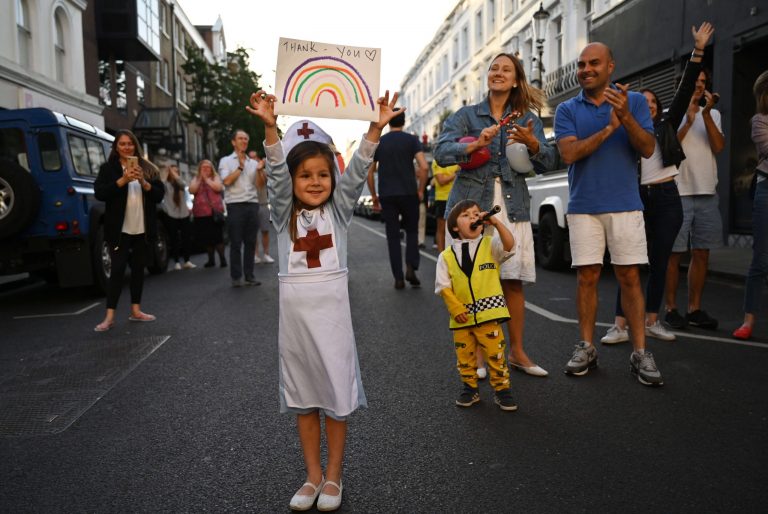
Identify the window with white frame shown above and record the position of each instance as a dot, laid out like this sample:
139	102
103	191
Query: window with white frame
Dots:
455	51
121	87
149	23
24	34
464	55
509	7
445	69
558	25
164	19
105	83
491	16
479	29
140	89
165	75
59	45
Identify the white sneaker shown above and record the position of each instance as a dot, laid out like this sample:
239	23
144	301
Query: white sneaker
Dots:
482	373
256	259
615	335
659	331
189	265
177	266
268	259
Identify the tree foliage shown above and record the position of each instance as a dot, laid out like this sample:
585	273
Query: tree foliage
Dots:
218	94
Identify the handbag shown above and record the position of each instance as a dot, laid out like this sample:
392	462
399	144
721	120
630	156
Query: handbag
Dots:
218	217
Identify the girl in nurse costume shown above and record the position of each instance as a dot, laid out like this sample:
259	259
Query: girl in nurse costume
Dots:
311	208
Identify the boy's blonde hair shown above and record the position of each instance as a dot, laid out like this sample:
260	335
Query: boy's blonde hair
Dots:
453	216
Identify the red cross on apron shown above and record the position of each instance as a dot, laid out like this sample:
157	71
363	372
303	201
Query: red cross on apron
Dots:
312	243
305	130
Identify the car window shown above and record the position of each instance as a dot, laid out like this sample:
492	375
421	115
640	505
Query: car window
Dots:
79	151
96	155
13	147
49	151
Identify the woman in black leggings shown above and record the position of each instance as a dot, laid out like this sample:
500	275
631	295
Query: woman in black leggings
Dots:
663	211
130	188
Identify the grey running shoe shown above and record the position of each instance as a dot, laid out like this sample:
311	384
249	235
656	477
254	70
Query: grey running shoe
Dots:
615	334
659	331
584	357
468	396
644	367
504	400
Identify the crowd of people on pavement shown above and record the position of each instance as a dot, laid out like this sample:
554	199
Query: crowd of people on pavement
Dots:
642	182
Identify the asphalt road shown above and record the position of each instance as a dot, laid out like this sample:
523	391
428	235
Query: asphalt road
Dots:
181	415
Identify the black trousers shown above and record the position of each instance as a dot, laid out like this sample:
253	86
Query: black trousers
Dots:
131	249
179	237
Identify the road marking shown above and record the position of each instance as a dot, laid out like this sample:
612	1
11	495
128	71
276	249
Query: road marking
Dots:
561	319
58	314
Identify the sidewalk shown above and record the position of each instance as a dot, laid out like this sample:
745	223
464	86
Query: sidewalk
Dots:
728	262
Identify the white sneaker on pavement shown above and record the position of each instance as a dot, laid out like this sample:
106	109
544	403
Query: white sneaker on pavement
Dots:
659	331
256	259
189	265
177	266
268	259
615	334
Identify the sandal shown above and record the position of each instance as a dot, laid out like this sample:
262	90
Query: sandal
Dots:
141	317
305	501
329	502
103	326
744	332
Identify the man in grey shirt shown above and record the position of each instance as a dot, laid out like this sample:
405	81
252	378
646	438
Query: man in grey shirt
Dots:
239	175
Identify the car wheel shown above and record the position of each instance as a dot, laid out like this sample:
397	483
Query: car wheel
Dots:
158	261
550	244
19	198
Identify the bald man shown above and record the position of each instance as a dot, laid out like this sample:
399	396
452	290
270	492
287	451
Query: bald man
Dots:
601	134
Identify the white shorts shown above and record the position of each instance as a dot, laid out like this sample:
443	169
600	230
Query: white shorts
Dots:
623	232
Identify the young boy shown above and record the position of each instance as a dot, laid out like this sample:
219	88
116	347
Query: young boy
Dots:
468	280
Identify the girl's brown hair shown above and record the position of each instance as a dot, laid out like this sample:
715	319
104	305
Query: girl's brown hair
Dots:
760	90
150	170
297	155
178	189
524	97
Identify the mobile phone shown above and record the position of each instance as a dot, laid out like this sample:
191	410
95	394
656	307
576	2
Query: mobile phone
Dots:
133	161
703	99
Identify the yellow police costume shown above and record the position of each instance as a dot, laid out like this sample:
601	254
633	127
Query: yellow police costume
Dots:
480	296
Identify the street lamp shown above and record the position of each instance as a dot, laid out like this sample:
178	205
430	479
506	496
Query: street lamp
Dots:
540	19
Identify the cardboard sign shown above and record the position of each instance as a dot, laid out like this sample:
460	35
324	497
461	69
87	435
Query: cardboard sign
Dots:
327	80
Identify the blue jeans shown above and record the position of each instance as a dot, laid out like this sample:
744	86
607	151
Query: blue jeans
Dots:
392	207
243	224
663	213
759	267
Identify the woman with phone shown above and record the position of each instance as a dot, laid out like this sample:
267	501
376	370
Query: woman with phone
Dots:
130	188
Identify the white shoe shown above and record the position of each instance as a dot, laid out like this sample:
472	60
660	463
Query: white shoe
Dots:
536	371
189	265
177	266
305	501
615	334
482	373
326	502
659	331
268	259
256	259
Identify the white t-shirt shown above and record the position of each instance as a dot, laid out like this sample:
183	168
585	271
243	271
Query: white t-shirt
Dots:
652	169
698	172
133	223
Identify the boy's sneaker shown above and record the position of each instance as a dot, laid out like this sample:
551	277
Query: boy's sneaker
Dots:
644	368
584	357
659	331
675	320
468	396
700	318
504	400
615	334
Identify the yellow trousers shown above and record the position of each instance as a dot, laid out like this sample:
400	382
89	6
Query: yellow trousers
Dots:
489	339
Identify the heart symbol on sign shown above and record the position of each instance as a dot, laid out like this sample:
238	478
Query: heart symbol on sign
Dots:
370	54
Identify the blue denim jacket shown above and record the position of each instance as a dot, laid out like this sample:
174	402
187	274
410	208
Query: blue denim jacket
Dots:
478	184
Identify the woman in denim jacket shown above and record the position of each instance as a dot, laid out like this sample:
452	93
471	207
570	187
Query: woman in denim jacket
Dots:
496	183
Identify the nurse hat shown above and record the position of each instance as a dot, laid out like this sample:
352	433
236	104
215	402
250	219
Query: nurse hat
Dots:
304	130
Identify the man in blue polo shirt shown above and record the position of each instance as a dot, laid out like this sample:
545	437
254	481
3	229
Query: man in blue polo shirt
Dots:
601	133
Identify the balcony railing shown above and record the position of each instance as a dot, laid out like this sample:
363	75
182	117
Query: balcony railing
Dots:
561	81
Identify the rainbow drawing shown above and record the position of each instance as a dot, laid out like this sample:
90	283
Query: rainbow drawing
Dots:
333	77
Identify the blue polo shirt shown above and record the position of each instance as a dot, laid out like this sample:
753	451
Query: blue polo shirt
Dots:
605	181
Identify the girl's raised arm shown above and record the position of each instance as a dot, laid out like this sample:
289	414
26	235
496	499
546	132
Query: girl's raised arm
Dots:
263	106
386	112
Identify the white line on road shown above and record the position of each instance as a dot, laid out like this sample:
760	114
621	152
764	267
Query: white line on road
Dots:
560	319
58	314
